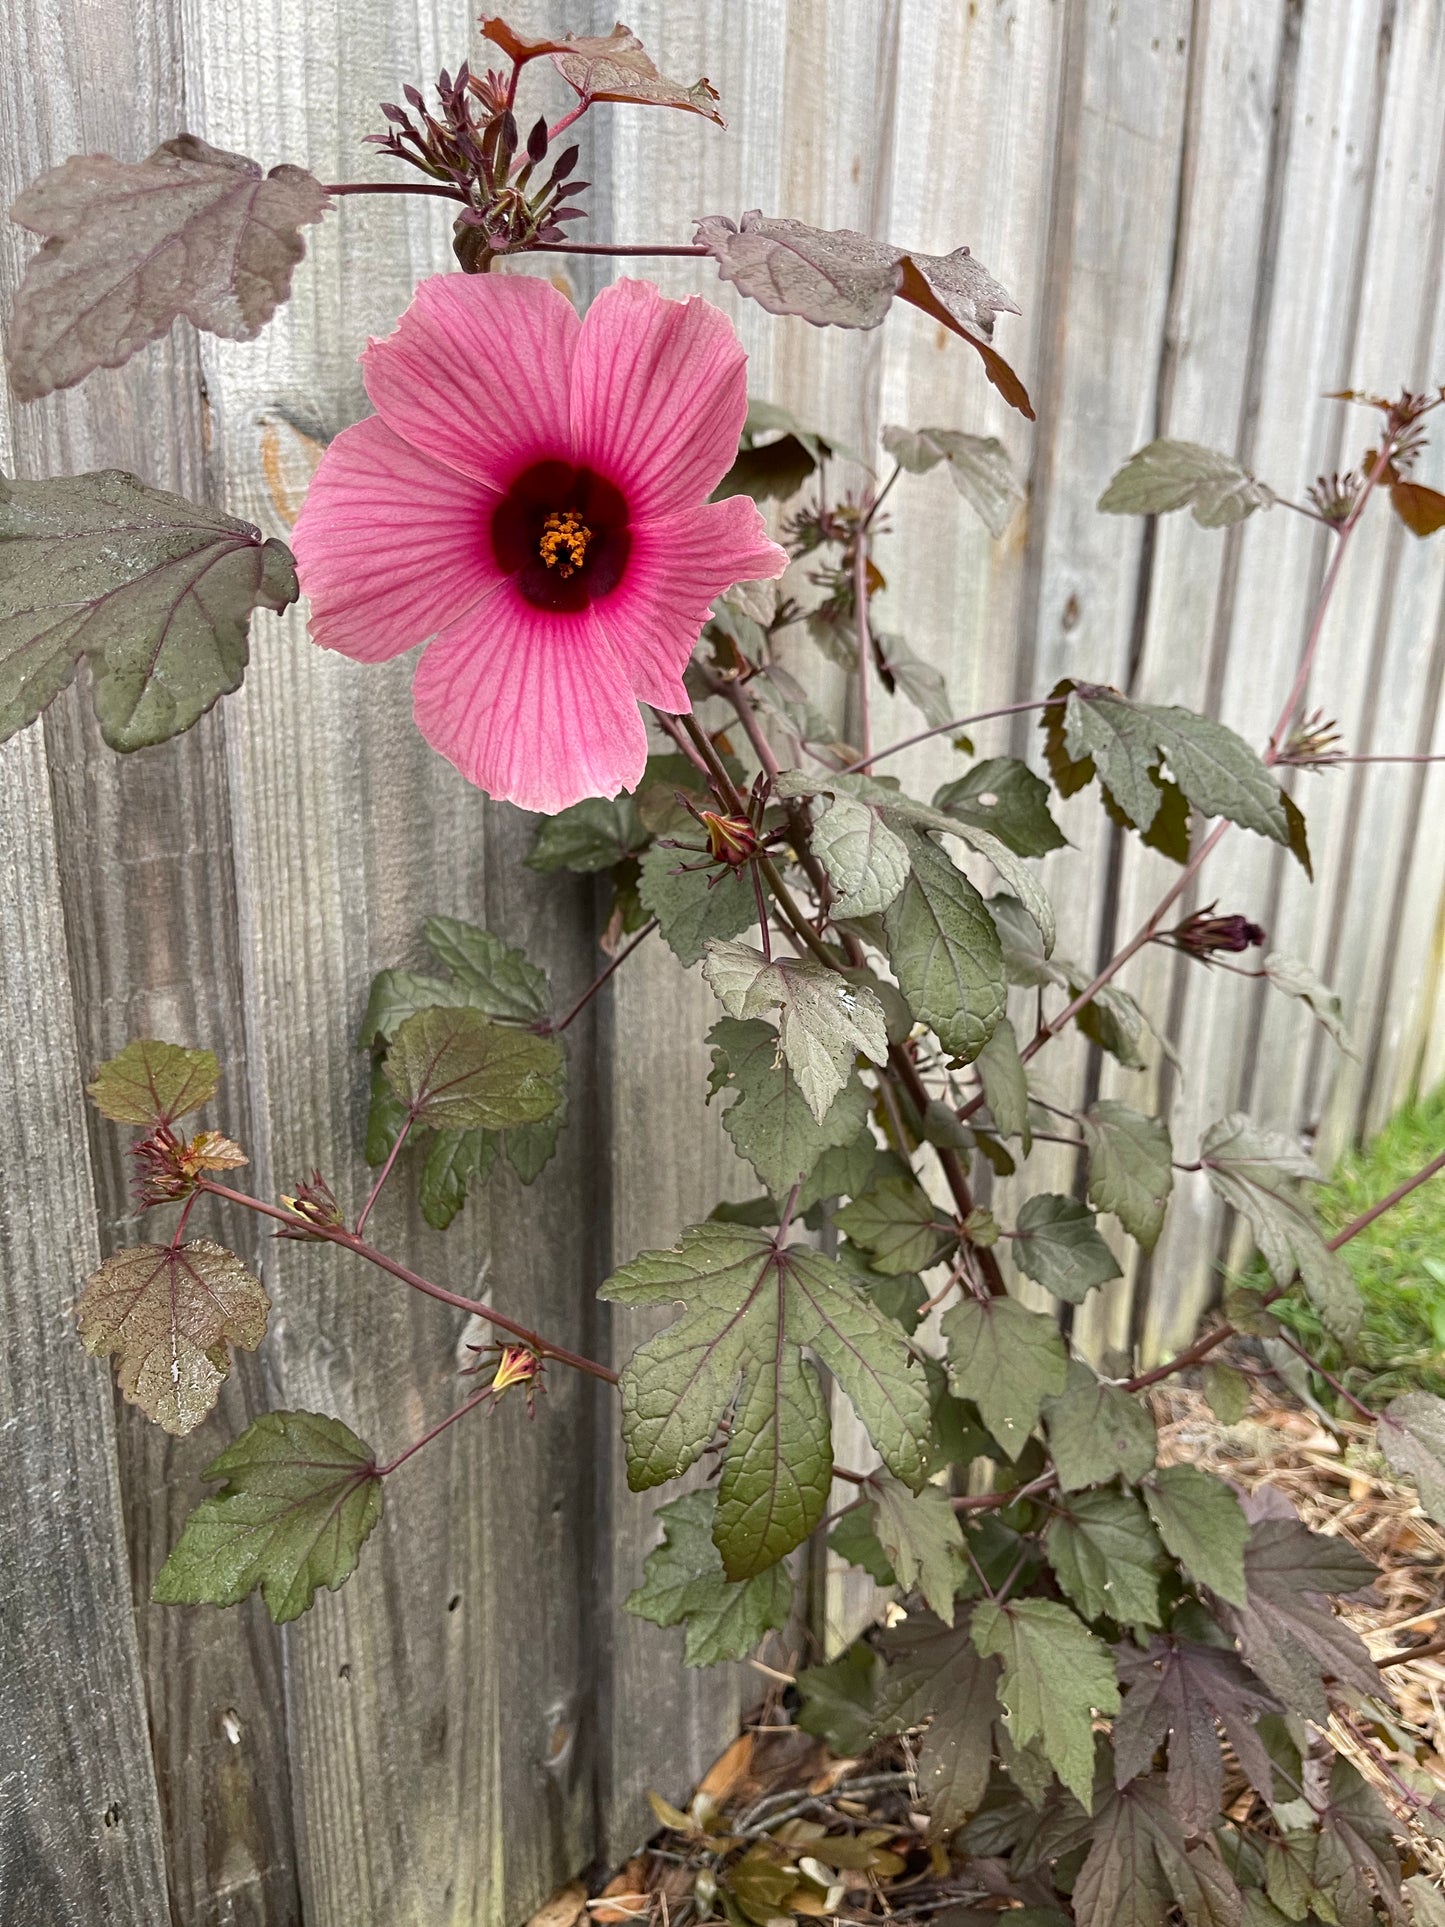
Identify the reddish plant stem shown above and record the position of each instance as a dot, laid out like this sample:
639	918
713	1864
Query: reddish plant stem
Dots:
1407	1653
906	1071
943	729
1328	762
1314	1364
555	1029
468	1405
186	1209
567	119
391	1158
348	1241
395	187
671	728
607	247
865	646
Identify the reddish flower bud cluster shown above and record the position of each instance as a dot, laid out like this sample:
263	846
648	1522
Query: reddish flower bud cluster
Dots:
316	1203
170	1165
1204	933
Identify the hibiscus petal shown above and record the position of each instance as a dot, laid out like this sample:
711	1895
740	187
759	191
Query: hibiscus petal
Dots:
675	568
533	710
659	394
390	546
477	371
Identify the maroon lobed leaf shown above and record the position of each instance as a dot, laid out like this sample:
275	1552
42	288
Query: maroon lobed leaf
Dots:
1140	1866
1288	1630
614	66
935	1673
192	230
1177	1690
839	278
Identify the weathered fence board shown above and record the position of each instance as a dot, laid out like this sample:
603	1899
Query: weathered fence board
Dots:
1210	212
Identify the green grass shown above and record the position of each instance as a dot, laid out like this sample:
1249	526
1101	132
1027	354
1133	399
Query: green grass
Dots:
1399	1262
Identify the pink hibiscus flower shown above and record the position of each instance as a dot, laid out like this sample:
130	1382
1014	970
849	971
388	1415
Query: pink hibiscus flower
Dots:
532	493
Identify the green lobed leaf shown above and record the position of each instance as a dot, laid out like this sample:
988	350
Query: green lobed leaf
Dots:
923	1540
689	908
155	591
152	1083
1107	1557
1296	979
1004	795
1008	1361
898	1224
1201	1522
1168	475
596	834
938	1675
845	1171
455	1070
1057	1244
1131	1167
854	1539
748	1311
455	1161
837	1700
301	1494
945	950
1098	1431
1215	768
770	1121
1006	1084
167	1313
824	1020
1056	1675
1257	1172
499	981
1412	1437
866	862
978	466
684	1584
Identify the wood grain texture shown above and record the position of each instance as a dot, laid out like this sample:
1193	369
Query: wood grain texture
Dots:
1210	212
438	1708
145	876
80	1820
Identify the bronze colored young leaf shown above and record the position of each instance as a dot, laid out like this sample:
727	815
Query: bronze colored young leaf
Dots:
455	1070
302	1493
1421	509
839	278
155	590
614	66
166	1313
152	1083
191	230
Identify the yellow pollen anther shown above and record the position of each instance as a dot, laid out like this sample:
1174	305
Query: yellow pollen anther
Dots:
564	542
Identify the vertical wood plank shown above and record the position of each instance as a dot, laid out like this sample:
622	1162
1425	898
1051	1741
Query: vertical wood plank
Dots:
438	1706
80	1821
144	863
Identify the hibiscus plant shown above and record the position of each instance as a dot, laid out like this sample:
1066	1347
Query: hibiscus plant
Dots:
1120	1676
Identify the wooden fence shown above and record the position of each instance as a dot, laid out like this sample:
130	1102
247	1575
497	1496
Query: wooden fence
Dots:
1211	212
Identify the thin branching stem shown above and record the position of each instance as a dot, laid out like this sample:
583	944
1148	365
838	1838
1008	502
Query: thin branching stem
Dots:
348	1241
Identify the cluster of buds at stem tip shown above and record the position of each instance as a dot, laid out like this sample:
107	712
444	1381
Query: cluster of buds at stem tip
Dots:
472	144
1205	933
316	1203
511	1364
1314	740
171	1166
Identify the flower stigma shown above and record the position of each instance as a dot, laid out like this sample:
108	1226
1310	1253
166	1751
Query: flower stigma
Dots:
563	546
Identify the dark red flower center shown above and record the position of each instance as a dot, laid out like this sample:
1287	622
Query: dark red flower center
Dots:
562	534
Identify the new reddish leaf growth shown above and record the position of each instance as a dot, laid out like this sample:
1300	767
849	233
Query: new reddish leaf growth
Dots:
167	1314
614	66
